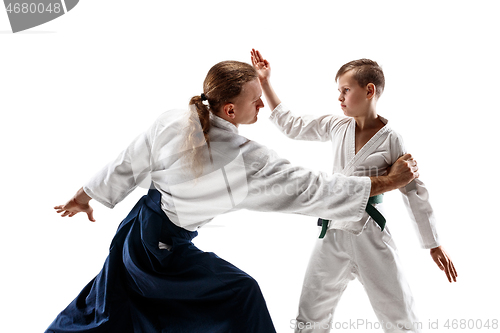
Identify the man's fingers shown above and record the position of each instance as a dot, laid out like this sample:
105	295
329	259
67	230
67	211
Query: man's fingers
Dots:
413	166
406	157
91	216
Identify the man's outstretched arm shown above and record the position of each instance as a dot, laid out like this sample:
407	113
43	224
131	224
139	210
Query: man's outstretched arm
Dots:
402	172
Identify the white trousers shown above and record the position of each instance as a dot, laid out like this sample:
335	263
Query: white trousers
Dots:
371	257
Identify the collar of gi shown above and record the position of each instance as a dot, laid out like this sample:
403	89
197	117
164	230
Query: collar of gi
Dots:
222	123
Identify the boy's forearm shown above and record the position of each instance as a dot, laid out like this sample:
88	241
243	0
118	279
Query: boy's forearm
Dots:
271	97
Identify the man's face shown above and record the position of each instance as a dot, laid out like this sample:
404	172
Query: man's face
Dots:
248	103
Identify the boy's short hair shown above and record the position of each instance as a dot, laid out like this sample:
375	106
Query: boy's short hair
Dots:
365	71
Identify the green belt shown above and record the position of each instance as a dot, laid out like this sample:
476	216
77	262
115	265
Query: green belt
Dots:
372	211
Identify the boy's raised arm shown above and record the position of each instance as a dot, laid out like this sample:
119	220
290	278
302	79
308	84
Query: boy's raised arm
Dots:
264	71
306	127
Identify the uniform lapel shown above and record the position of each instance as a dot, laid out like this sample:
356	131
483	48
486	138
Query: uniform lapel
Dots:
355	159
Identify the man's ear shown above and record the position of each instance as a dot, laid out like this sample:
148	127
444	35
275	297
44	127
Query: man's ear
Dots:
228	110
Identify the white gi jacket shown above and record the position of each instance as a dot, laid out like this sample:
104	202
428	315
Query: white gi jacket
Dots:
380	152
238	174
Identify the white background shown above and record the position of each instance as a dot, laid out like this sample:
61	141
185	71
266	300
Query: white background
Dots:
75	91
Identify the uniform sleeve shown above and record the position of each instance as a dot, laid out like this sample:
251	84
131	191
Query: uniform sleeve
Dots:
276	185
121	176
416	199
306	127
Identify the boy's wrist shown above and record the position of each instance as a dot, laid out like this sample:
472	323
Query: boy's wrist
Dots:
264	81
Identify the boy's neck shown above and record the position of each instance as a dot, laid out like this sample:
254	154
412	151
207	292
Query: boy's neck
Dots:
368	121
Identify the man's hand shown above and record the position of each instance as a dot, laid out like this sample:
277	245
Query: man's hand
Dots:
78	204
442	259
401	173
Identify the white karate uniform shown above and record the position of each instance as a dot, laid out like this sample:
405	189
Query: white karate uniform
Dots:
237	174
358	248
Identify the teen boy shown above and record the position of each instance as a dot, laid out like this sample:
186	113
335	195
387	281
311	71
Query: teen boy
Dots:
363	145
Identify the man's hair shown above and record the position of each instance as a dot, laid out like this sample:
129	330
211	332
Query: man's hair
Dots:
365	71
223	83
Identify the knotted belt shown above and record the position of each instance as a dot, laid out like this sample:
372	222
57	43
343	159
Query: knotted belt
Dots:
372	211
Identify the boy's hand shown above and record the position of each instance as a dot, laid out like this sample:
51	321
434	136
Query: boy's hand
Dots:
261	65
442	259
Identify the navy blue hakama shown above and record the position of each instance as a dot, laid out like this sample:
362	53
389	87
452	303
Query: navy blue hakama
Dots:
143	288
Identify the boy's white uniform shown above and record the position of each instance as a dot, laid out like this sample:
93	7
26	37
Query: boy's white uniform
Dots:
358	248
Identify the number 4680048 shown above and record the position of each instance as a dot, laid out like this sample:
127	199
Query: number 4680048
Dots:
33	8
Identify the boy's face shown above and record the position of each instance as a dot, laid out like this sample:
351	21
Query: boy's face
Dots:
353	97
